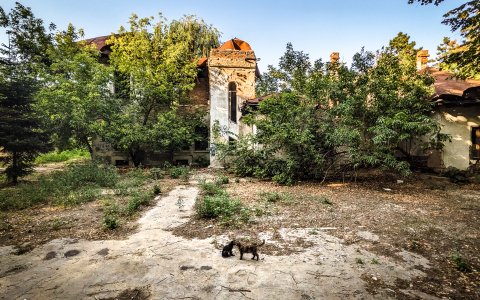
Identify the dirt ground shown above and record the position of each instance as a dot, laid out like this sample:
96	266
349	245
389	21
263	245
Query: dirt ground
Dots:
373	239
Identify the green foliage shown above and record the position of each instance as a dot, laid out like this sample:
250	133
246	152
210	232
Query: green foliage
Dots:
222	179
138	199
329	117
218	206
156	63
78	183
75	100
211	188
156	190
182	172
157	173
61	156
461	58
460	263
110	216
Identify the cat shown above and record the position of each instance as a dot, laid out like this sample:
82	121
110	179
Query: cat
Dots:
249	248
228	249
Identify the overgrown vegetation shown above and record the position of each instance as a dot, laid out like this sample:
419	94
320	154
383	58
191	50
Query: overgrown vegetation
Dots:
78	183
327	118
216	203
61	156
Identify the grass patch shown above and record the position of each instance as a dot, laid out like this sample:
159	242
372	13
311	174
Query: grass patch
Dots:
138	199
61	156
77	183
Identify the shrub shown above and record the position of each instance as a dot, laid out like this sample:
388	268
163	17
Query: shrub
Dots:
211	188
182	172
222	180
273	197
157	173
138	199
222	205
110	216
82	195
156	190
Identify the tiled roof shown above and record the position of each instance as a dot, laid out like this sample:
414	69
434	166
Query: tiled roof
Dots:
235	44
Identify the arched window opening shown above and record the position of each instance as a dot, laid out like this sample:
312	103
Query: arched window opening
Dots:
232	101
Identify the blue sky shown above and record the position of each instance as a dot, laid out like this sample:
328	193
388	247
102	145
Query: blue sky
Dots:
317	27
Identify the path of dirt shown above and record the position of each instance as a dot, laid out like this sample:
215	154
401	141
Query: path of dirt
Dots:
155	264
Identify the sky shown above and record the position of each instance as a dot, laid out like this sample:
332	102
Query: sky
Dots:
317	27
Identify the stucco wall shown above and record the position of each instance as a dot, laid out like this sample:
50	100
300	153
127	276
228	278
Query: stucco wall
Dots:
458	122
227	66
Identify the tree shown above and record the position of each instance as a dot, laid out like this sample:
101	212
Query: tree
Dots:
21	136
158	63
76	97
329	117
464	58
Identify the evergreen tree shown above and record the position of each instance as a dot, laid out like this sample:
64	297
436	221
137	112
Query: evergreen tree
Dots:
21	136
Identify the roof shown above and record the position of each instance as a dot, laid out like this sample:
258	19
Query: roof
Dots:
235	44
99	41
445	83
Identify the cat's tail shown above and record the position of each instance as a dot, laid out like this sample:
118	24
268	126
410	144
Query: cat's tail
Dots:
263	243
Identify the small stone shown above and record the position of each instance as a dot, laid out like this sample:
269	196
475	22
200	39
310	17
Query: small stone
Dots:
387	189
209	226
374	278
399	181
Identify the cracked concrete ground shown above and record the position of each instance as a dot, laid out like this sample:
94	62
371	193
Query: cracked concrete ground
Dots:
155	264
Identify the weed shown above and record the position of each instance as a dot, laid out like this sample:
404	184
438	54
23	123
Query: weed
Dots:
222	180
359	261
218	205
57	224
273	197
156	190
138	199
182	172
245	214
237	180
211	189
460	263
374	261
313	231
157	173
325	200
110	216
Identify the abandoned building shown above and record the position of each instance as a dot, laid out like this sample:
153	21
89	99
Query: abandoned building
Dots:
226	83
457	109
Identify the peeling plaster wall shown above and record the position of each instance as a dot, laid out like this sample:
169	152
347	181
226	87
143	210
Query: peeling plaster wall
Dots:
227	66
458	122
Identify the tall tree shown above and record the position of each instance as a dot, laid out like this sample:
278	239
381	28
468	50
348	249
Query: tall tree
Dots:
21	136
76	97
158	61
464	58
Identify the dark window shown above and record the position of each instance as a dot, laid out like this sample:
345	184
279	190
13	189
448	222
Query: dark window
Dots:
201	142
475	150
232	101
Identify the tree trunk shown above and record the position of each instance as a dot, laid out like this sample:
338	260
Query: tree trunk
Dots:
15	168
89	147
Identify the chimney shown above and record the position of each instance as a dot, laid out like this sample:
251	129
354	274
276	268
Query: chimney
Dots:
334	57
422	59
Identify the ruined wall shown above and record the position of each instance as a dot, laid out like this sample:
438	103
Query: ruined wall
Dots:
458	122
227	66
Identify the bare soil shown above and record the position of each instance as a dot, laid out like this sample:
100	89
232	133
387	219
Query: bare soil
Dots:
374	238
424	215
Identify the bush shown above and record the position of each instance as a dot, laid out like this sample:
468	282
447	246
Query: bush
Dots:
273	197
156	190
110	216
182	172
138	199
211	188
222	180
157	173
60	156
222	205
86	194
